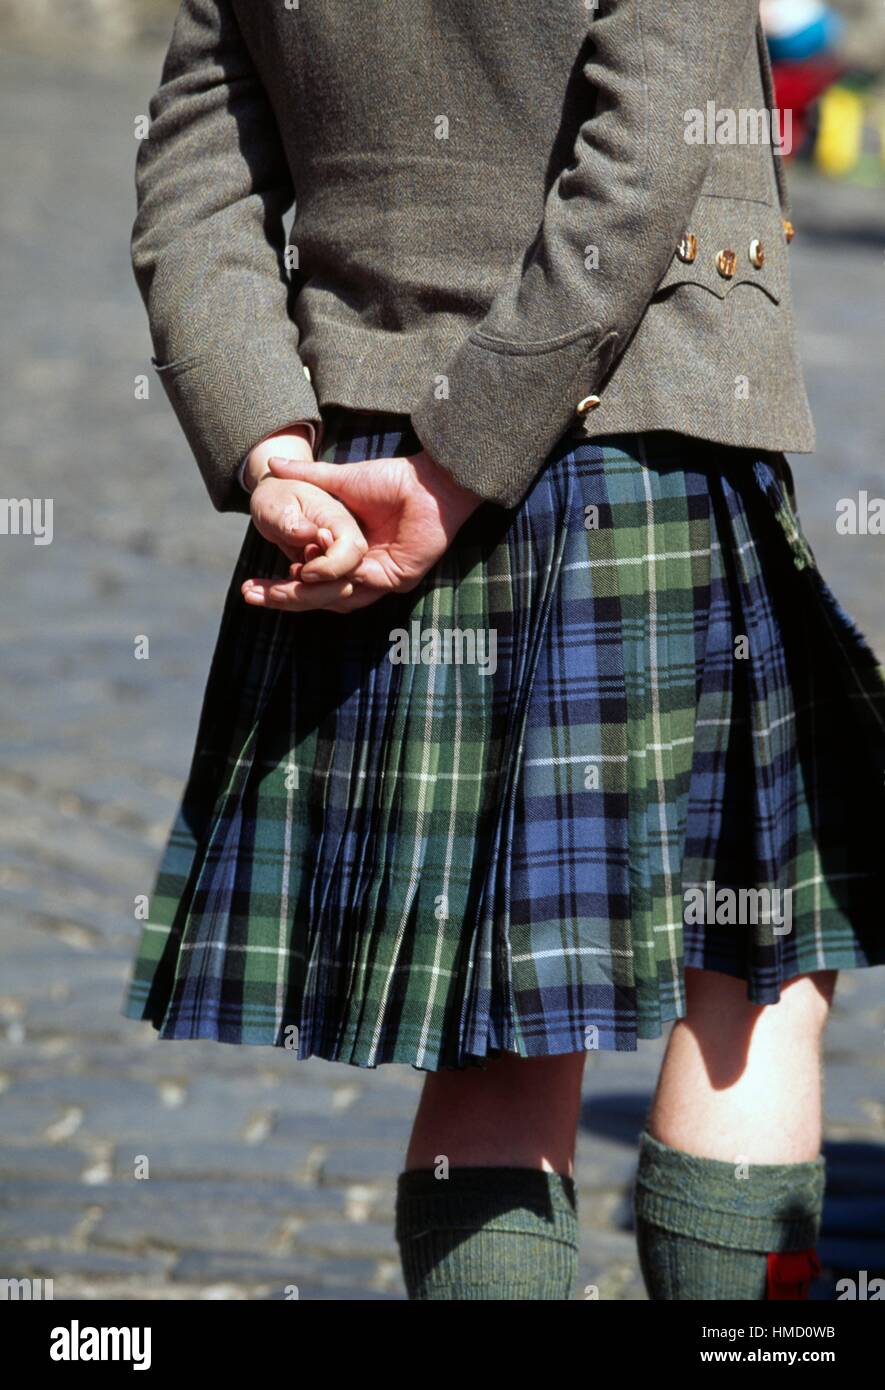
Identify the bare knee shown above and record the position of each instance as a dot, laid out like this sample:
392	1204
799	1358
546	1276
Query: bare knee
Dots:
740	1077
516	1111
722	1019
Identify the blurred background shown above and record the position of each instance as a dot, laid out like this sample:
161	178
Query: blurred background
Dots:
267	1173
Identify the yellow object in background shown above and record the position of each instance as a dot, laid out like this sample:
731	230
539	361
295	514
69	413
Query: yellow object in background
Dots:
840	131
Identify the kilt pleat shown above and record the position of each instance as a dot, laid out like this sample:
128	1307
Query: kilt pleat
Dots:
429	860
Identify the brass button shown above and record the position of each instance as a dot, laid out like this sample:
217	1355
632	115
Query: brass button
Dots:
789	230
588	403
726	264
687	248
757	253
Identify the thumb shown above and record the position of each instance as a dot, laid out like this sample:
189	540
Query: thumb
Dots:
327	476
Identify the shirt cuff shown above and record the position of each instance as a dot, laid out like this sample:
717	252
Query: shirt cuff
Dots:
304	424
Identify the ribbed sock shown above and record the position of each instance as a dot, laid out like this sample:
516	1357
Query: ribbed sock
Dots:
705	1233
487	1233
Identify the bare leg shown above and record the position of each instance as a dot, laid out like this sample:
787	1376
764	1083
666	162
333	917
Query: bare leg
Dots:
743	1080
518	1112
500	1221
729	1184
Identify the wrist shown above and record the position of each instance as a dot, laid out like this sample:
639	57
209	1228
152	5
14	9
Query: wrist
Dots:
255	470
292	442
457	499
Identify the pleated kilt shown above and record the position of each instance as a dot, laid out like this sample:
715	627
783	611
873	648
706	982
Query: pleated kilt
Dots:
619	731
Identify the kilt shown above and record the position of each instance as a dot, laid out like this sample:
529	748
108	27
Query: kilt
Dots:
505	811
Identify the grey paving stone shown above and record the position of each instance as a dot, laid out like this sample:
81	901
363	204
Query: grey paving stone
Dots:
112	857
334	1293
78	1017
614	1111
73	1266
83	1090
293	1095
639	1066
26	1224
140	1126
29	1162
167	1125
30	947
285	1198
398	1103
211	1159
40	975
604	1165
138	1054
348	1238
330	1128
299	1268
860	1036
196	1226
361	1166
119	1108
608	1263
25	1122
609	1211
849	1087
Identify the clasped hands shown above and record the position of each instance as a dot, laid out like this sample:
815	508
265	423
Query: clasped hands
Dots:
352	532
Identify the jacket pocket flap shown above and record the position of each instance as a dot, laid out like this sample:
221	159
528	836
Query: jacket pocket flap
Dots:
729	242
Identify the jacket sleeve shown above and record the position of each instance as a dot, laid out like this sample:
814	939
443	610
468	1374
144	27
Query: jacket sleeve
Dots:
208	247
611	223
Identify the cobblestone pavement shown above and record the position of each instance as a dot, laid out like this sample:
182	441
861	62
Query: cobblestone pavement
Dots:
264	1172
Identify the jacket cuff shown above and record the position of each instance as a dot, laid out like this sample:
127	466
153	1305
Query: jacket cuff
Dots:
505	406
228	400
292	424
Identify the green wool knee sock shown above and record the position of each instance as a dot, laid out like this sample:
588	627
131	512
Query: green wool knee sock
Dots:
706	1233
487	1233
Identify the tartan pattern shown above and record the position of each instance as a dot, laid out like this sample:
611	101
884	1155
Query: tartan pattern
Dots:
426	863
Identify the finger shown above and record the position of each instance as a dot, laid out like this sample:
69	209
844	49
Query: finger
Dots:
362	597
292	548
343	557
330	477
301	557
292	596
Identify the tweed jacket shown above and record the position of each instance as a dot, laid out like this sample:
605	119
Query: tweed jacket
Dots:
511	220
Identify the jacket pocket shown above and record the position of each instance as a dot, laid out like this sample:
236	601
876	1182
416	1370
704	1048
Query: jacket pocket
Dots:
729	242
181	364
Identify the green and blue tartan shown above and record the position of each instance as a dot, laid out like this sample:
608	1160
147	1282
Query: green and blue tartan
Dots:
427	863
